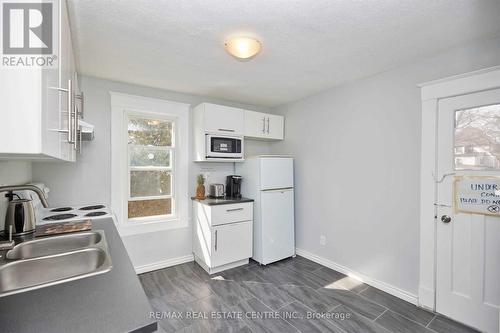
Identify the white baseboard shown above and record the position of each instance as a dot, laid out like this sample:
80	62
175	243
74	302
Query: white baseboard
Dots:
163	264
388	288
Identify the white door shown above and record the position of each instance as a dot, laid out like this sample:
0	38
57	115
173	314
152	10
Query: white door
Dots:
468	245
275	125
224	119
231	242
255	124
276	173
278	225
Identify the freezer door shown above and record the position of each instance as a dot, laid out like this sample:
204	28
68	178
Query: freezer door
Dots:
278	225
276	172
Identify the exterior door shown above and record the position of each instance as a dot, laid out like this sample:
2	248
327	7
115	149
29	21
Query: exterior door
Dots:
468	244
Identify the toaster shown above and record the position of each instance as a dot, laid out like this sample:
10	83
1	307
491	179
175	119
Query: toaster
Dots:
216	190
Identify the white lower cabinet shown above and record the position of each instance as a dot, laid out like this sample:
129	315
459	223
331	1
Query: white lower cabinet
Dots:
222	235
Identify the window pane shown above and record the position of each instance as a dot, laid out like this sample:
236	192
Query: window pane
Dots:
145	156
149	132
142	208
477	138
150	183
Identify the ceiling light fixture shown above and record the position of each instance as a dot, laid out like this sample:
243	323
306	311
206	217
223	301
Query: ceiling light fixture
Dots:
243	47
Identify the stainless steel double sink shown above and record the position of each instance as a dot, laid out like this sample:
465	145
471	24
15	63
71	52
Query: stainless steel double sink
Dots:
52	260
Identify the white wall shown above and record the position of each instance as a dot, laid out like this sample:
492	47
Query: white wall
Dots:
357	161
88	180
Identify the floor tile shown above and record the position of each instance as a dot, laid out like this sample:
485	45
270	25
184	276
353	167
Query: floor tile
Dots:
299	316
240	274
176	271
299	264
395	304
192	286
269	294
396	323
445	325
310	297
354	301
304	278
230	292
211	315
260	318
331	277
154	283
351	322
165	309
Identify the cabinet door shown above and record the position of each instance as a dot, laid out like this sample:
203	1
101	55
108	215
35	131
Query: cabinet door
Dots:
66	73
255	124
275	127
223	119
231	242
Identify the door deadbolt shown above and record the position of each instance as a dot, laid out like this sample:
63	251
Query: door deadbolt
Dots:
445	219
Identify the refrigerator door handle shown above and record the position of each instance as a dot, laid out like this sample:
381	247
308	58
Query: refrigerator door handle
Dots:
279	189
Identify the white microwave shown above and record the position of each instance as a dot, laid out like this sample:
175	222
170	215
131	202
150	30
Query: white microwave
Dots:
221	146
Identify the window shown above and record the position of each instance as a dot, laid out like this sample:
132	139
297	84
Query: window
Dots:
477	138
149	164
151	151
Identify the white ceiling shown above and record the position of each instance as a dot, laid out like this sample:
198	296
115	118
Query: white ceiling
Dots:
308	45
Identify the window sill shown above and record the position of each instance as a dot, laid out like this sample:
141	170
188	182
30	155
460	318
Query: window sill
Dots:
131	228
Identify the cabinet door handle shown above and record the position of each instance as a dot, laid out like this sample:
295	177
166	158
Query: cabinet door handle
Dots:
225	130
267	125
234	210
263	125
215	240
71	131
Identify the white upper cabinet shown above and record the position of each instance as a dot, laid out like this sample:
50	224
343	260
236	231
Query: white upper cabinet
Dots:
265	126
34	104
221	119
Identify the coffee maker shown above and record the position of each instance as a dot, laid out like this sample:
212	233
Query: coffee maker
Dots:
233	186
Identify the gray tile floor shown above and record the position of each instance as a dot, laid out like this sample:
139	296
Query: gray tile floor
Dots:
293	295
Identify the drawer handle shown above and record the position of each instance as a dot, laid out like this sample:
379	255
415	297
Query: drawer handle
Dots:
233	210
225	130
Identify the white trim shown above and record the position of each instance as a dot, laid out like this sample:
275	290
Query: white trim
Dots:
163	264
431	94
484	79
388	288
121	106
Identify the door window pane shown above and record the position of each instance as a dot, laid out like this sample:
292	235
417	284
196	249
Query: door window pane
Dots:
149	183
477	138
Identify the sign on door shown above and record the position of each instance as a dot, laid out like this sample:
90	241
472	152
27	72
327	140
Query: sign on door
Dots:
477	195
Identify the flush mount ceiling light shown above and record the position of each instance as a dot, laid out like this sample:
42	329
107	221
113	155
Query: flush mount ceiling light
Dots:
243	47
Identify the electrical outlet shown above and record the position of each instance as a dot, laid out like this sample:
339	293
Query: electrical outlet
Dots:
322	240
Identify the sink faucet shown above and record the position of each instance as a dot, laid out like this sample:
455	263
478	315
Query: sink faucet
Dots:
41	195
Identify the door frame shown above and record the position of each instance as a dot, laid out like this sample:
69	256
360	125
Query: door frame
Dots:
431	93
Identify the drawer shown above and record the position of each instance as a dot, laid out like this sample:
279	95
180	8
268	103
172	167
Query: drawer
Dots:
223	214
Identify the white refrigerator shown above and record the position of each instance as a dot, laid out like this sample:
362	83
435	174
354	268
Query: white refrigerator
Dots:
268	179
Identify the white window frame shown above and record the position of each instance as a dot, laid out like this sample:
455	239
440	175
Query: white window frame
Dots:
124	106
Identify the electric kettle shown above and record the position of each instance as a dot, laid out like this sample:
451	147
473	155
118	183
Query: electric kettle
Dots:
21	216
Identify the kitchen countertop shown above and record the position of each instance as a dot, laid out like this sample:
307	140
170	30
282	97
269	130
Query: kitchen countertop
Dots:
221	201
109	302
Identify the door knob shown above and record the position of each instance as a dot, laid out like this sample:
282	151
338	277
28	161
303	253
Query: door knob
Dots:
445	219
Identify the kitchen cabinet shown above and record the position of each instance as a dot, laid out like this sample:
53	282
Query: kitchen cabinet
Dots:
264	126
222	235
34	104
219	119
